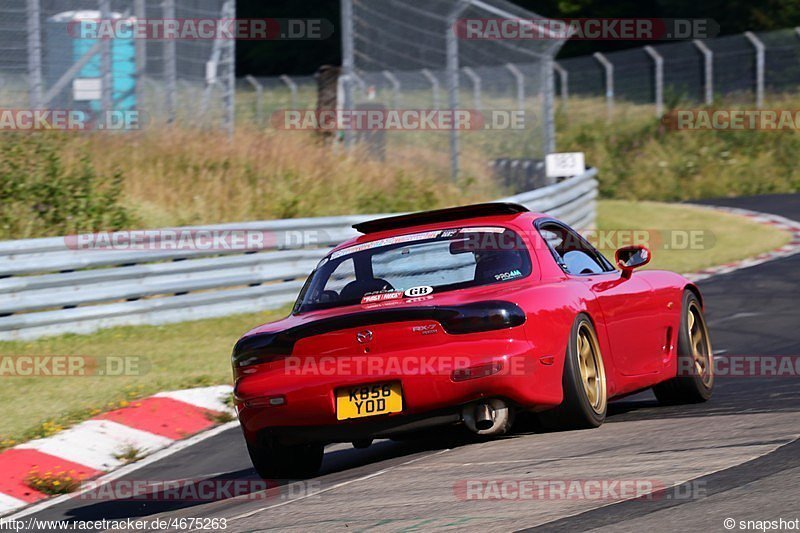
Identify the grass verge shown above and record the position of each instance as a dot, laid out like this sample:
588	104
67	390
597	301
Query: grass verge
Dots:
195	354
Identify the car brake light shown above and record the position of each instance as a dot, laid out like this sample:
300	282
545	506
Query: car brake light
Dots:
259	349
482	316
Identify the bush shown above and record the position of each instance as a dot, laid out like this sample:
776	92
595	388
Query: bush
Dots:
40	195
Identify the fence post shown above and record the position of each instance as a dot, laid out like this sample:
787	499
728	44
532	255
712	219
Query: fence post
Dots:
520	79
563	77
434	85
259	98
548	111
476	86
451	44
170	66
292	90
395	88
609	69
107	88
760	52
348	64
141	54
708	58
34	28
659	78
229	62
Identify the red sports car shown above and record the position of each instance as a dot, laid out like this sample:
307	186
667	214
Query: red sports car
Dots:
464	316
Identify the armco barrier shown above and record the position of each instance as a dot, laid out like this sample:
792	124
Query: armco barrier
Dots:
47	288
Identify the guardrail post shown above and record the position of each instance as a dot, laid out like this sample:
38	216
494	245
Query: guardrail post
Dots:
609	83
659	78
563	78
33	13
708	59
292	90
435	86
395	88
760	53
259	97
520	82
476	86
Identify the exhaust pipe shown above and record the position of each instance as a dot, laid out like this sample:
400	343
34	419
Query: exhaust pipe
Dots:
484	417
489	417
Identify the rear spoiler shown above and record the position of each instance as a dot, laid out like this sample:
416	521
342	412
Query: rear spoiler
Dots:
439	215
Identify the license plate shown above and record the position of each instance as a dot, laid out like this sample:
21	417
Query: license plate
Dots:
368	400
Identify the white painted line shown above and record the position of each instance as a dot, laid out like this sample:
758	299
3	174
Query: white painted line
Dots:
127	469
704	474
338	485
8	503
94	443
211	398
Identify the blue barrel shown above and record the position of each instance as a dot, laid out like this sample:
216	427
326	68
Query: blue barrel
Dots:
63	47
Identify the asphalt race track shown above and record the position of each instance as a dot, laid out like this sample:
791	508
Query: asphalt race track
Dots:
734	457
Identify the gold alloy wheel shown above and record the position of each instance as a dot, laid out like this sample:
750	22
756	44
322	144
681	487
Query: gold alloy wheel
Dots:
700	344
590	362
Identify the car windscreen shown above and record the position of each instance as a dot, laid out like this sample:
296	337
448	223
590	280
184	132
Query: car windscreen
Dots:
413	265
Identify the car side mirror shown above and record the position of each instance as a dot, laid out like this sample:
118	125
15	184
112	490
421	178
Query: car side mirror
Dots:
631	257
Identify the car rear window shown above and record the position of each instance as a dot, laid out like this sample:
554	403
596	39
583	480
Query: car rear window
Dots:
416	264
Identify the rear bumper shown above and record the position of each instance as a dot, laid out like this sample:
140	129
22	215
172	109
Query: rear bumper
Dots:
308	411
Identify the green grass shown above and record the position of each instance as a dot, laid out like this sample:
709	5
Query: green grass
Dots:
190	354
197	353
724	237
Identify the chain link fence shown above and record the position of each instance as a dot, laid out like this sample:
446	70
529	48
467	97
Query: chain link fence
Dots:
47	63
407	55
739	68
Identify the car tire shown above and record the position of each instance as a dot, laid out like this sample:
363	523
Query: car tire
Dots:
583	381
694	380
276	461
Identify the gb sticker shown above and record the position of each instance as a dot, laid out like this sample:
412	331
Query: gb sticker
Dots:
414	292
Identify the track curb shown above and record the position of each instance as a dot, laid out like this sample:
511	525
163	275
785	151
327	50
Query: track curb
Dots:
775	221
92	448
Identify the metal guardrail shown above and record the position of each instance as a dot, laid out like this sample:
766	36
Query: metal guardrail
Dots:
48	288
